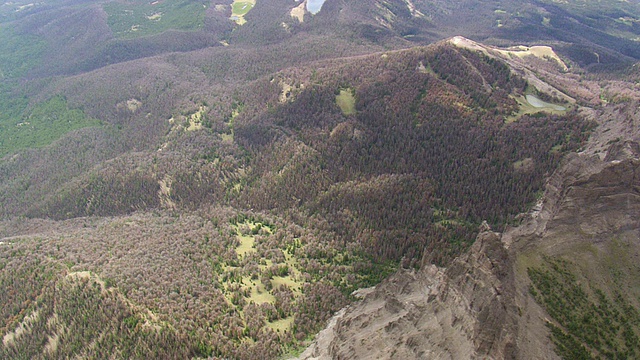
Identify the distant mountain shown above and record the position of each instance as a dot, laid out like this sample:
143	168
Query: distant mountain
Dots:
588	33
193	179
94	34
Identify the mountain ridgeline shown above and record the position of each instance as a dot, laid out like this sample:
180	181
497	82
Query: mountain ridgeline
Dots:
437	127
208	179
276	201
98	33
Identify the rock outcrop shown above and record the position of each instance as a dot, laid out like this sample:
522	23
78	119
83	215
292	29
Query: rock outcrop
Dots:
461	312
480	307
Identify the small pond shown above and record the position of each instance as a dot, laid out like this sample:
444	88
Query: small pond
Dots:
537	103
314	6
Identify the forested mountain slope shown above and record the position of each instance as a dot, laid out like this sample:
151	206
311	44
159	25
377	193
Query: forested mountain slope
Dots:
348	166
560	284
194	179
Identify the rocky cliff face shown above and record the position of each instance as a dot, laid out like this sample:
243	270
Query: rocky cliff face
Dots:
589	213
465	311
481	306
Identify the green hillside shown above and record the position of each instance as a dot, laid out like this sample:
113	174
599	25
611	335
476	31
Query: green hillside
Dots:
144	18
38	126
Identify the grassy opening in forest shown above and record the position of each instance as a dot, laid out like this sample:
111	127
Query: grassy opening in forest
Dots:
240	8
45	123
346	100
145	18
529	104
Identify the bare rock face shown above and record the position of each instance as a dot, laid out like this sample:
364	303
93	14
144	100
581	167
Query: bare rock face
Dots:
591	210
458	313
480	306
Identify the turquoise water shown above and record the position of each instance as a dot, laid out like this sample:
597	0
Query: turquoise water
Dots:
313	6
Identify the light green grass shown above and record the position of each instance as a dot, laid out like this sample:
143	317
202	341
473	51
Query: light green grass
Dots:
142	18
556	148
292	262
47	122
227	138
246	245
267	264
346	100
247	242
18	52
260	295
523	164
282	325
294	285
240	8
